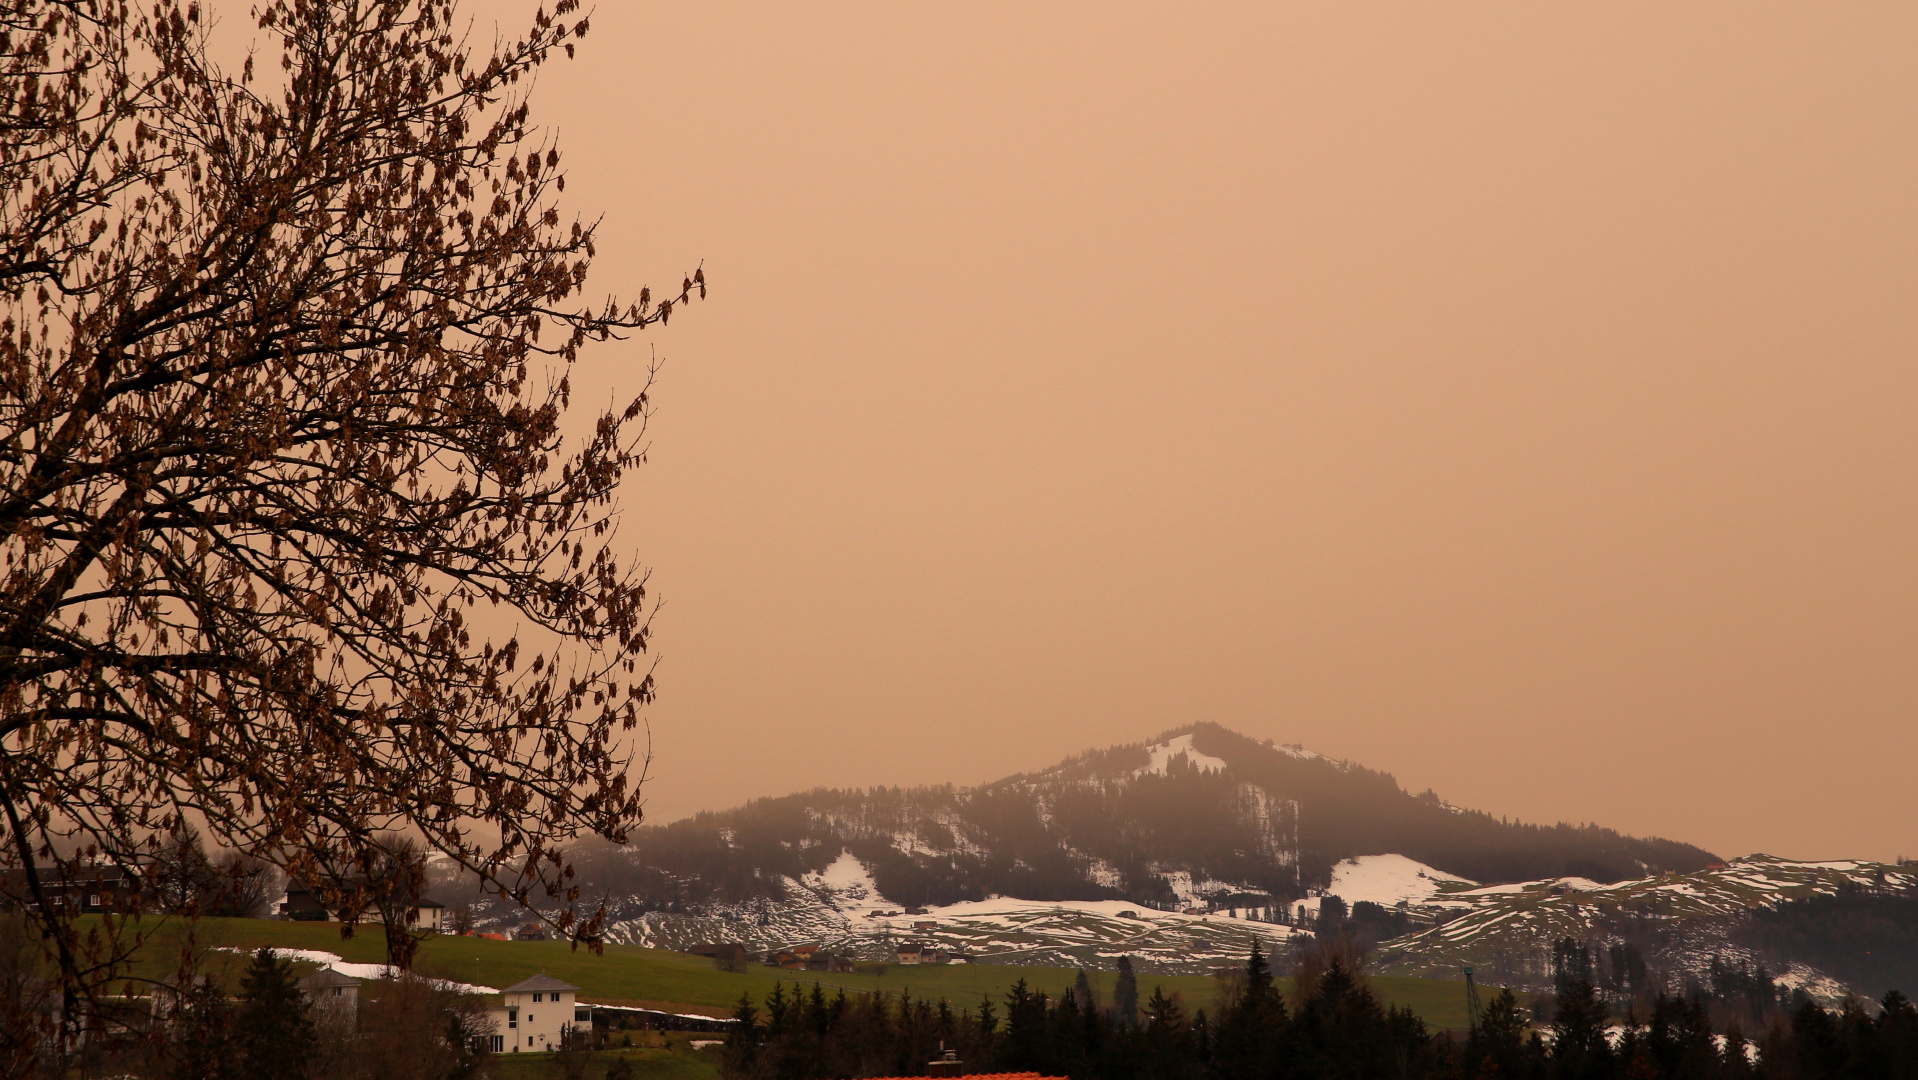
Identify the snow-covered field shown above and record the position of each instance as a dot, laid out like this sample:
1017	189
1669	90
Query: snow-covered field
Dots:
841	909
363	971
1505	925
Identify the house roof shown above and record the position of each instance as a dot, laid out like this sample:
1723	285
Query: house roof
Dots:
327	977
539	982
986	1076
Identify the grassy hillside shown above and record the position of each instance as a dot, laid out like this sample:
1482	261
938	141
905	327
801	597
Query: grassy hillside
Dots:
651	978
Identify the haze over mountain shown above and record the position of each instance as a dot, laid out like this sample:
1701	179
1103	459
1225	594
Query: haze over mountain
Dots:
1184	852
1200	815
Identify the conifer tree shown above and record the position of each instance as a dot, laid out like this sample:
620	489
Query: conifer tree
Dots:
1579	1046
274	1032
988	1018
1168	1038
201	1047
1125	995
1497	1045
1082	991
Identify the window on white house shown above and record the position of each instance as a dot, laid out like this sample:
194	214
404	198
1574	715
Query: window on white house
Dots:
536	999
499	1043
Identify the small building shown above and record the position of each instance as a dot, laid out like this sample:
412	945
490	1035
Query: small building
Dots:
912	954
534	1014
925	924
428	915
729	952
825	961
303	904
329	991
89	890
805	952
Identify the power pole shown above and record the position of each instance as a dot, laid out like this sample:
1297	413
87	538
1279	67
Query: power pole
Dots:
1474	1013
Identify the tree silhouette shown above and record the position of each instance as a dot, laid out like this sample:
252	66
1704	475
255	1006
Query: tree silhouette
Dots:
284	359
273	1026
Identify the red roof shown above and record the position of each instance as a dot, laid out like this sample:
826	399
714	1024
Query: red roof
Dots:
983	1076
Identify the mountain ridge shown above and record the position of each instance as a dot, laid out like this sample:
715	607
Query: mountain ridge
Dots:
1198	815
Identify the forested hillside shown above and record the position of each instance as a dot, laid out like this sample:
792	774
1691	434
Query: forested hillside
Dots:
1200	815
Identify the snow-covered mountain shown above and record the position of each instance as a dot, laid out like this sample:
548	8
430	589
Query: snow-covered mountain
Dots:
1186	851
1180	851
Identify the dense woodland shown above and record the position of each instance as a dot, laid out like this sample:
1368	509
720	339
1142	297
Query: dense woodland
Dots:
1334	1027
1272	820
1867	939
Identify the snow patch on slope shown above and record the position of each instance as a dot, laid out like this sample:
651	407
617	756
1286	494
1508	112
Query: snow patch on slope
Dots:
846	885
1387	879
1163	753
361	971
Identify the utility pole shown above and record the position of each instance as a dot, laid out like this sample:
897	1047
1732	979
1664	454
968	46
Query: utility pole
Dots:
1474	1013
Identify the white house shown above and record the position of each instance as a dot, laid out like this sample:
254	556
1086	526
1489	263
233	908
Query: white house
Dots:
536	1012
429	915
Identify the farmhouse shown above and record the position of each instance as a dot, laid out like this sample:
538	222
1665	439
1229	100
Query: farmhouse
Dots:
726	952
309	905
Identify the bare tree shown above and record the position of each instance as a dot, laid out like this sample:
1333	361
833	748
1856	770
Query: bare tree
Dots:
418	1030
27	999
284	357
460	919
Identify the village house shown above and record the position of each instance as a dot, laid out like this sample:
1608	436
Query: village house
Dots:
307	905
89	891
825	961
535	1014
329	991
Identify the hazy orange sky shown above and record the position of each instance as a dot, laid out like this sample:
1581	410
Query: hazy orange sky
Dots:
1516	397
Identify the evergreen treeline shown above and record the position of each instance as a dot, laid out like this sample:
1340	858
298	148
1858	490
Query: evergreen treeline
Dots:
1333	1029
1037	837
1865	938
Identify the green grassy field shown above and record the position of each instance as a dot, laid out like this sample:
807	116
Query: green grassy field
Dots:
651	978
670	1057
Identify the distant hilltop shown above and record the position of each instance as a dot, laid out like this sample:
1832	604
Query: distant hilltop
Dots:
1186	851
1193	818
